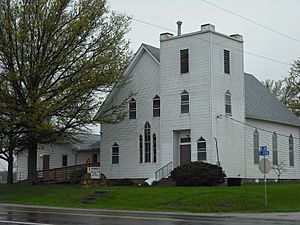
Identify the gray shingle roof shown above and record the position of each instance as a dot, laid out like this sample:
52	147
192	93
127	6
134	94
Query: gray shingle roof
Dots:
87	142
154	51
259	102
262	104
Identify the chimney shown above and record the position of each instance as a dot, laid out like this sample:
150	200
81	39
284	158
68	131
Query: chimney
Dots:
179	23
237	37
165	36
207	27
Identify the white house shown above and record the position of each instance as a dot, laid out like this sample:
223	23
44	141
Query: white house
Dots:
51	156
194	102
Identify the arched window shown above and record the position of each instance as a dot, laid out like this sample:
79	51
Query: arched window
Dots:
228	110
115	153
147	134
291	150
132	109
154	148
201	149
185	102
275	149
256	146
141	148
156	106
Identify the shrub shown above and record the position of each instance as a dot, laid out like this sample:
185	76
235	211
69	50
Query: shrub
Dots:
76	175
198	174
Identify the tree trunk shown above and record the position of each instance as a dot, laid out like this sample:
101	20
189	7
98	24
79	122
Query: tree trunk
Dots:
32	163
10	172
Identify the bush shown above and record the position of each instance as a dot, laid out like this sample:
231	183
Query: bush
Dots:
76	176
198	174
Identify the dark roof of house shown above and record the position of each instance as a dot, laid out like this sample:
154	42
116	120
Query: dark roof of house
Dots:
262	104
259	102
154	51
87	142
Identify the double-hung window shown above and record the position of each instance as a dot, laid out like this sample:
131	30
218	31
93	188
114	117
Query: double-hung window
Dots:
185	102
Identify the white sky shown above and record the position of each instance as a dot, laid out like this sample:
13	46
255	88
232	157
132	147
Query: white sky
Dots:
280	15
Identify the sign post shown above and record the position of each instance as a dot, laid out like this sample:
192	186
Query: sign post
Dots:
264	167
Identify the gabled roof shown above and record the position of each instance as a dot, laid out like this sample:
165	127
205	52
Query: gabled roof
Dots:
154	51
86	142
262	104
154	54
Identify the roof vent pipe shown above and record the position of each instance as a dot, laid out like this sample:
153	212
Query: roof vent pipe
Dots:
179	23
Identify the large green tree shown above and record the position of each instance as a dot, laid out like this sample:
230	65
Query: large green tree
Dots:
287	90
57	57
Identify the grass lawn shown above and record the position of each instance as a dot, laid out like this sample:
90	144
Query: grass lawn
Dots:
247	198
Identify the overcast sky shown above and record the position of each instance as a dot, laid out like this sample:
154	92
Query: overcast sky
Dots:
280	15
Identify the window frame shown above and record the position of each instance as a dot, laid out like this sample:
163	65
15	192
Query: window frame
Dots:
156	107
95	159
115	154
141	148
291	151
228	103
184	104
132	109
201	149
154	143
226	56
64	160
256	146
184	61
147	142
275	148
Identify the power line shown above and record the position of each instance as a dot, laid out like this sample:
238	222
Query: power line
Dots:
258	128
252	21
246	52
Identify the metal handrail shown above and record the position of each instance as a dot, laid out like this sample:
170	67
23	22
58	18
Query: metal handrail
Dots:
163	171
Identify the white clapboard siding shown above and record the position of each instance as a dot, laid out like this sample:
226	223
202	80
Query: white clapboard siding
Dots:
144	82
55	153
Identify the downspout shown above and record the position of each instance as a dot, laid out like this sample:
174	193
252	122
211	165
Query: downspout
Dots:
210	93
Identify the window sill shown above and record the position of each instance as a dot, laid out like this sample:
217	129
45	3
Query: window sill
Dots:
184	114
147	163
228	114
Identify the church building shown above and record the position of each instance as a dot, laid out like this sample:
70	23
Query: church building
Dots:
193	101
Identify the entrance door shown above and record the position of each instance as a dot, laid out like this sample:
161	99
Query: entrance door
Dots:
46	160
185	154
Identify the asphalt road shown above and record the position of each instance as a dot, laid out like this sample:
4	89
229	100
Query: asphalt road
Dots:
11	215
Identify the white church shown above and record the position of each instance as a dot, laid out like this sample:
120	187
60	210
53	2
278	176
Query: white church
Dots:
194	102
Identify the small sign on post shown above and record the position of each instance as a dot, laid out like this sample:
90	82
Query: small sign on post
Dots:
264	167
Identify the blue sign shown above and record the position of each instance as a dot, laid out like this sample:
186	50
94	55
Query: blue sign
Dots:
264	151
263	148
